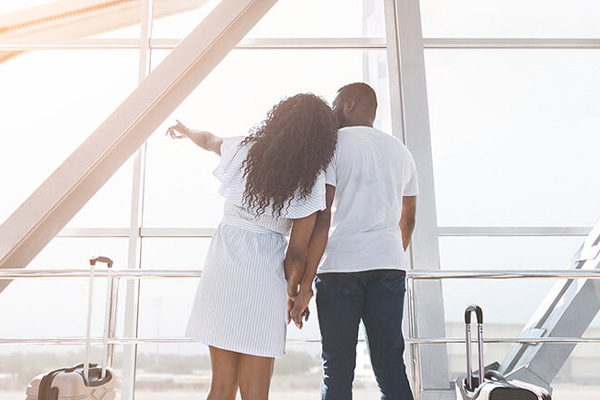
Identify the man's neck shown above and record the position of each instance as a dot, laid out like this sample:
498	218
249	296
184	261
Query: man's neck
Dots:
348	124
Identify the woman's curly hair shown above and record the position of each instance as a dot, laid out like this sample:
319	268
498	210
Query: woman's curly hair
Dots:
288	151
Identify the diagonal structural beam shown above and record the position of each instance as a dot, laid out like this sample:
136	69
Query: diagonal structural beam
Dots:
567	311
67	190
69	19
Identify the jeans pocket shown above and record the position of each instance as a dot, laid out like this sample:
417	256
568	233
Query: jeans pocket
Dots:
340	284
395	280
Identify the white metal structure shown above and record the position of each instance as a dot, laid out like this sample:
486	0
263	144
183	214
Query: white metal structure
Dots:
569	309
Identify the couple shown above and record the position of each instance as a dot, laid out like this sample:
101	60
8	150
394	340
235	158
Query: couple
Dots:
283	179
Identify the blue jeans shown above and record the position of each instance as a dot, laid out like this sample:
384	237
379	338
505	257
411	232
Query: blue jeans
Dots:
376	297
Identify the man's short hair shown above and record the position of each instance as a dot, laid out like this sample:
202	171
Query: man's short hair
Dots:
361	93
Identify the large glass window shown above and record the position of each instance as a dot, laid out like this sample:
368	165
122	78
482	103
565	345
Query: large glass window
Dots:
287	19
52	101
514	144
513	136
511	18
180	188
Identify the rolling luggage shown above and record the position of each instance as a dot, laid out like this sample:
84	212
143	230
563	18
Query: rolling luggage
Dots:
493	386
84	381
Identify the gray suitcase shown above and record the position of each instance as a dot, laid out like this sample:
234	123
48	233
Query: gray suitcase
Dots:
493	386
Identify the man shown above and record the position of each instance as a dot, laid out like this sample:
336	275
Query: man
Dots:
372	185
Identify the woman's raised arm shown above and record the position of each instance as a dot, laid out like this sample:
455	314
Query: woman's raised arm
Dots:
204	139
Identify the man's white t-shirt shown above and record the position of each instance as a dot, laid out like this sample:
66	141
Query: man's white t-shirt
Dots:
372	171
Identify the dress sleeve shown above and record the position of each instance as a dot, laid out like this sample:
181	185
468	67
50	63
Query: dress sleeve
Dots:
227	167
315	201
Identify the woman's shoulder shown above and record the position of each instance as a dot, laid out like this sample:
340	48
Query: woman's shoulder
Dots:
232	144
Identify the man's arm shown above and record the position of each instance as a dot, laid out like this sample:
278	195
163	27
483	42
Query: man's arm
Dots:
316	248
295	257
407	220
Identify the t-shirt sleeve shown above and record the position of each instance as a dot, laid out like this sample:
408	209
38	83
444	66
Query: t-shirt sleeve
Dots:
330	177
229	149
412	185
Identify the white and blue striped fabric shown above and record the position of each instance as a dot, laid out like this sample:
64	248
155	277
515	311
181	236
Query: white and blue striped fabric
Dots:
241	299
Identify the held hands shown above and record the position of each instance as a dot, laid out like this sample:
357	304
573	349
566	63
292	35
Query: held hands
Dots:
178	131
297	307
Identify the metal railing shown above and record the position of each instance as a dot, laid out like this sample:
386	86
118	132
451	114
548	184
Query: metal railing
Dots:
412	339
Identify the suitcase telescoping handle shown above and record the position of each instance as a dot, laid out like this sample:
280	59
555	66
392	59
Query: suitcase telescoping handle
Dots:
479	314
86	365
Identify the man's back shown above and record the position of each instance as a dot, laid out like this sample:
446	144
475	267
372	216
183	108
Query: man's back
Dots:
372	172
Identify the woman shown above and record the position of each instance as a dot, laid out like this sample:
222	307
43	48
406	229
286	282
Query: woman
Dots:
273	182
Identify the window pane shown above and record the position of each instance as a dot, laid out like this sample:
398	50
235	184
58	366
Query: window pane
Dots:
507	304
316	18
511	18
176	253
66	253
508	252
287	19
180	188
16	6
514	136
40	308
43	19
166	304
53	100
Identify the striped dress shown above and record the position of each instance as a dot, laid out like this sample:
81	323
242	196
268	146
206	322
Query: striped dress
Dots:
241	300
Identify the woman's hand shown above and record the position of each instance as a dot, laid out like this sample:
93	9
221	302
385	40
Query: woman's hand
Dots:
290	306
300	307
178	131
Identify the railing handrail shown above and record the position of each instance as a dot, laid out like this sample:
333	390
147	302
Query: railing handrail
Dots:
187	273
410	274
183	340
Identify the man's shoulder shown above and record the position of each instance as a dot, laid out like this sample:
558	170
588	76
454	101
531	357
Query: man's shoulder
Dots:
359	135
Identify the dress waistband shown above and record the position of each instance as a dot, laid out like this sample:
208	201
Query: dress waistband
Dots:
246	225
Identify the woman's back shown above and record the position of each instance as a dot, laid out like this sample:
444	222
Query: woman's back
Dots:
233	184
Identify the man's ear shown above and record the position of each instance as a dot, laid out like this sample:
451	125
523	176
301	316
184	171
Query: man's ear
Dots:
349	106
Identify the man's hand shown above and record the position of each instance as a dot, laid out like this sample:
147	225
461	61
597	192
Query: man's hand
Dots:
300	307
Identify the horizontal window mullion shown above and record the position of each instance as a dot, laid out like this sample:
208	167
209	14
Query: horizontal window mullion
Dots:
510	43
535	231
25	44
